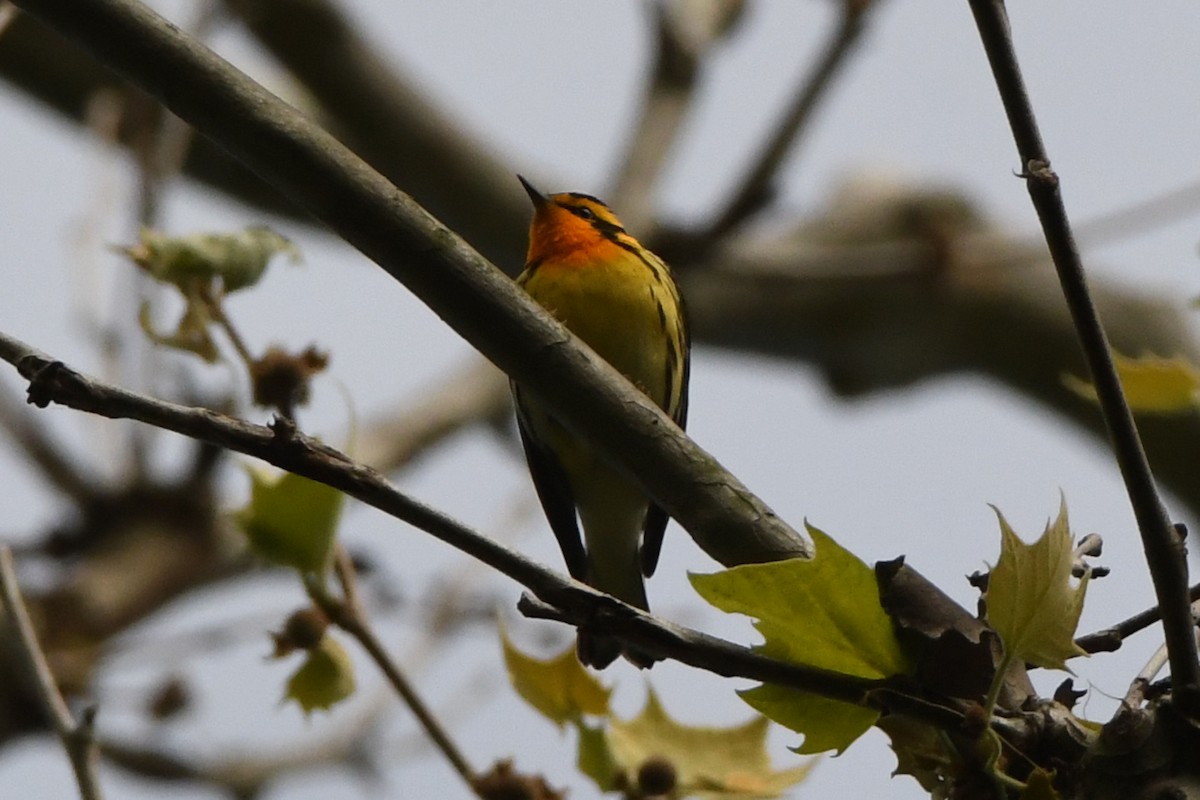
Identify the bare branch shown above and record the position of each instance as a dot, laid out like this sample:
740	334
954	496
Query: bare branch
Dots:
684	32
1111	638
757	186
246	775
53	463
77	738
560	597
392	125
478	394
474	298
347	615
1164	549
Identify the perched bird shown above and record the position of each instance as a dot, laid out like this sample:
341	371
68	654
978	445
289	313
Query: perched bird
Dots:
620	298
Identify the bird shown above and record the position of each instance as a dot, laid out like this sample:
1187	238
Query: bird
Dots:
622	300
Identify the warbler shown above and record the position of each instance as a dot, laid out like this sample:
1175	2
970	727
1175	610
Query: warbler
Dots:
619	298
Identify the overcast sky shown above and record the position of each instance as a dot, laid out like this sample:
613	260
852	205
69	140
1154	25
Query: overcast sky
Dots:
553	86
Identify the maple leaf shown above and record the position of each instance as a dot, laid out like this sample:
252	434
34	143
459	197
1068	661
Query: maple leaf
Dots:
823	612
708	762
291	520
560	688
326	677
1032	602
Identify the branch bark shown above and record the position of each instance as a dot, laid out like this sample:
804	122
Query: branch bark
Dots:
76	737
474	298
559	597
1164	548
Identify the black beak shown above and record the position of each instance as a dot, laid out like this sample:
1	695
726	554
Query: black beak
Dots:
537	197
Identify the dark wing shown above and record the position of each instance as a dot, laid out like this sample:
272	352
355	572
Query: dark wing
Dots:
656	516
554	491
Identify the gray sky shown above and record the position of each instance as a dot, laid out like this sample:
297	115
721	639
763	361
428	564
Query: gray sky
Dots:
553	86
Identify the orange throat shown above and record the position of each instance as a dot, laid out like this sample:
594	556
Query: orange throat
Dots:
556	236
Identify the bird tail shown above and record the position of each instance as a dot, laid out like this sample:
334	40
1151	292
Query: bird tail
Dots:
613	531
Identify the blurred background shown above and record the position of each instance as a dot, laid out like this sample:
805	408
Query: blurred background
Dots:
879	347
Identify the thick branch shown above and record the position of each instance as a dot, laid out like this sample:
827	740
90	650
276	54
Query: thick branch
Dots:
391	125
1165	554
478	301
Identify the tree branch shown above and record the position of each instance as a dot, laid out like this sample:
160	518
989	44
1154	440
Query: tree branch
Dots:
683	34
477	394
347	614
1111	638
77	738
559	597
1164	548
392	125
51	461
246	775
474	298
756	188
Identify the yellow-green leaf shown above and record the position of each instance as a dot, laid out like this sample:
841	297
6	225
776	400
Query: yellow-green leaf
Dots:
326	677
1032	601
238	259
560	688
291	520
191	333
709	762
595	758
1152	384
823	612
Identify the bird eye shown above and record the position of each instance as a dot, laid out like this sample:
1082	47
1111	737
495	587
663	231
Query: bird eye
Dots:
585	212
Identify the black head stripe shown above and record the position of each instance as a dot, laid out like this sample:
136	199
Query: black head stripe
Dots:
604	227
582	196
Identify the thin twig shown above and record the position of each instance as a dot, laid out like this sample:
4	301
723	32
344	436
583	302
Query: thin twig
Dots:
476	395
343	614
1111	638
1164	549
681	41
77	739
52	461
1141	217
755	189
248	774
560	597
1137	688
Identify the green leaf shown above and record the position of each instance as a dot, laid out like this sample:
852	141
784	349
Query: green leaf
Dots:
823	612
595	758
1153	385
1031	600
238	259
560	688
325	678
291	520
191	333
708	762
